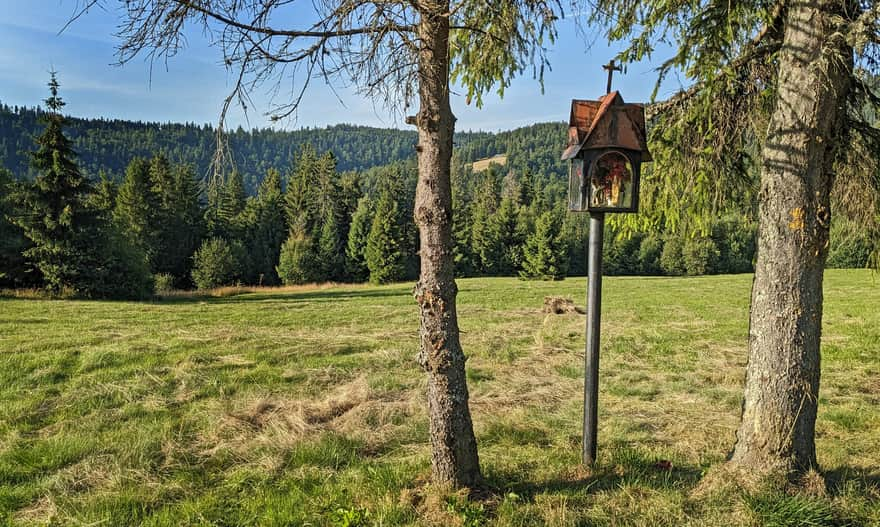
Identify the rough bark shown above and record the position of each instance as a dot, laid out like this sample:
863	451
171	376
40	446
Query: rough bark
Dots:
454	447
777	430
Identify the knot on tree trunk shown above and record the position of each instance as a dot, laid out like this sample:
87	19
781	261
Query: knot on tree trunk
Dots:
431	215
427	121
439	349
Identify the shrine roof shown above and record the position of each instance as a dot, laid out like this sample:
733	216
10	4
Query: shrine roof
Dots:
606	123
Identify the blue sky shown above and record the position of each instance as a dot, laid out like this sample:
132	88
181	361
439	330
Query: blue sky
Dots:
192	85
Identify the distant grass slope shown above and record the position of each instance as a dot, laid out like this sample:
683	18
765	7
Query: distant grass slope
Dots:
484	164
306	407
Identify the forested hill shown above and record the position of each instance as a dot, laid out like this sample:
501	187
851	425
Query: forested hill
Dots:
110	144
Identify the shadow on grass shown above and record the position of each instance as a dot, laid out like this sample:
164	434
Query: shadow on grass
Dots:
319	296
843	480
627	467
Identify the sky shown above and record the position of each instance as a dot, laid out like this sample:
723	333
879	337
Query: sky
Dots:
191	86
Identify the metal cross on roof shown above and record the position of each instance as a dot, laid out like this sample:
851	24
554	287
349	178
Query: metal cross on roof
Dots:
611	67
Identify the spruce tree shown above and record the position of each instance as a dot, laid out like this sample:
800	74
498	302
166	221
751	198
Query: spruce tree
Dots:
137	211
233	198
74	247
162	180
215	264
358	232
53	211
545	256
103	199
180	222
267	229
14	268
462	256
299	199
384	253
484	246
226	201
506	239
297	261
330	250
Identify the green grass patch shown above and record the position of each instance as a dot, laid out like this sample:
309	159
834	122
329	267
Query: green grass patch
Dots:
306	407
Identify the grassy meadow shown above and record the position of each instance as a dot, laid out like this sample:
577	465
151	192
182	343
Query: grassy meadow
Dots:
305	406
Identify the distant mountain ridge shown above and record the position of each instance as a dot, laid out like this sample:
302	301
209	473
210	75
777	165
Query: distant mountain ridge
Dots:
109	144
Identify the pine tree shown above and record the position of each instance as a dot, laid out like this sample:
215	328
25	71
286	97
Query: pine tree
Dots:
545	256
358	232
384	253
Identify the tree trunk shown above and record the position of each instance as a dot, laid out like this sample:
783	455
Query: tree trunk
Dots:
454	447
782	378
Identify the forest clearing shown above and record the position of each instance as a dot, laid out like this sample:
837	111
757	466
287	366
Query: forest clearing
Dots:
305	406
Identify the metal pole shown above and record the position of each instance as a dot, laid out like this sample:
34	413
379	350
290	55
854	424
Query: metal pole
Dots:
591	357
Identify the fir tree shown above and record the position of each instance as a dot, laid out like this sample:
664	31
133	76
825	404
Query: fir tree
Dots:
545	256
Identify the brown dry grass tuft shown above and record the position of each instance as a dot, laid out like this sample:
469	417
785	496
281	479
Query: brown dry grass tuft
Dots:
725	478
41	512
352	409
558	305
813	484
433	507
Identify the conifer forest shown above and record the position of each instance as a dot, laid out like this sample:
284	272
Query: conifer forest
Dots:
313	205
